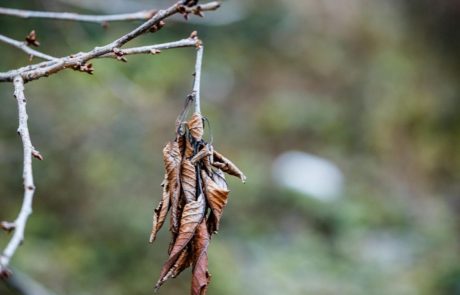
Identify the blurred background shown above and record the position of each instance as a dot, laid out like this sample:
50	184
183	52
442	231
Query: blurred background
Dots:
344	115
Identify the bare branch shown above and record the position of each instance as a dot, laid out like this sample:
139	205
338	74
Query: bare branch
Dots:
79	61
197	80
70	16
153	49
23	46
139	15
29	187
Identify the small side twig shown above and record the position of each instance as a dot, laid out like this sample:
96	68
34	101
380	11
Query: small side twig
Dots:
29	187
153	49
23	46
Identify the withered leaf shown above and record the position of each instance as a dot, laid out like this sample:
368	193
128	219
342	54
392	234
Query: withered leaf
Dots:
204	152
219	178
188	179
195	126
188	152
192	216
172	160
227	166
216	196
160	212
200	274
183	261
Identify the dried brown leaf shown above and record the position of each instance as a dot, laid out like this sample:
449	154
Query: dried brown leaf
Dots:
217	198
172	160
204	152
219	178
184	261
200	274
227	166
188	151
195	126
160	212
188	180
192	216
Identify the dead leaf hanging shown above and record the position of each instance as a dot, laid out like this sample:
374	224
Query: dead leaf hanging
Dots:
196	193
172	161
191	217
227	166
161	211
195	126
200	274
216	197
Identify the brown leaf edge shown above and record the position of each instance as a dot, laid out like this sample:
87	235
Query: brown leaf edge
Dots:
160	212
191	217
200	274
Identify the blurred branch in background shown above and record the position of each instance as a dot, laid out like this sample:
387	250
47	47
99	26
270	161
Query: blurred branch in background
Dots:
22	284
78	62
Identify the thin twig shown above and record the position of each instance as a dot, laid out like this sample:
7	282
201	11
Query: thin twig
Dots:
79	60
189	42
139	15
197	80
23	46
70	16
29	187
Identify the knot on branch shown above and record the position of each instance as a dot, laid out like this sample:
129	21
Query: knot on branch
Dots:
157	26
86	68
186	10
119	54
31	39
36	154
194	36
8	226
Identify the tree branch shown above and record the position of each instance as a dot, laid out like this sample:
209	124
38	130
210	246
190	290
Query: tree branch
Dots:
197	80
189	42
23	46
29	188
78	61
70	16
139	15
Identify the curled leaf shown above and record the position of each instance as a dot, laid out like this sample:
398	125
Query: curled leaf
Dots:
204	152
200	274
192	216
217	198
219	178
183	261
227	166
195	126
188	179
160	212
172	160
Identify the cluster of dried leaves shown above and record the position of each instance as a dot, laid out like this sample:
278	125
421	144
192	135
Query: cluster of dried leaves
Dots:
195	191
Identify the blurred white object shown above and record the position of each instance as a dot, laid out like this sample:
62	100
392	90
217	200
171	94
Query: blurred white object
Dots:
308	174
